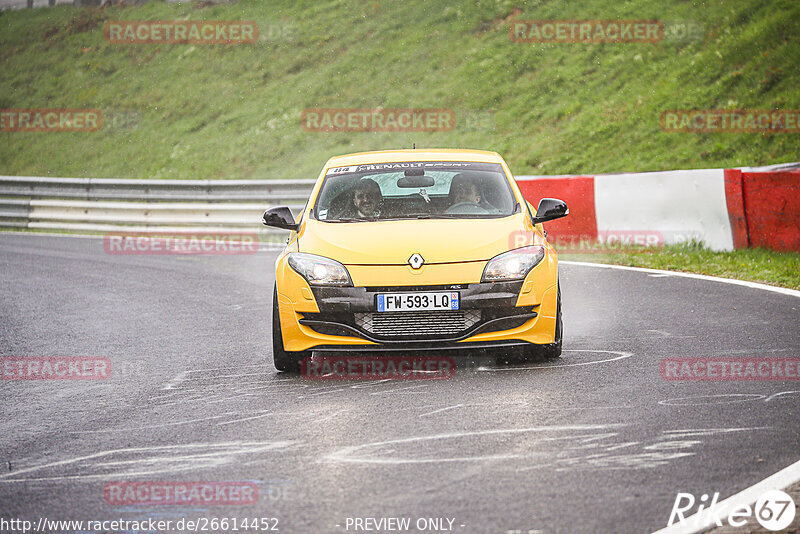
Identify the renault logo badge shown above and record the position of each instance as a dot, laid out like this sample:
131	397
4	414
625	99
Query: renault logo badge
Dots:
416	261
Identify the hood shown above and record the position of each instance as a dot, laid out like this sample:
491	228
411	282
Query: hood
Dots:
393	242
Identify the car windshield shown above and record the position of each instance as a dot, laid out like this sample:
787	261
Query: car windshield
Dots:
415	190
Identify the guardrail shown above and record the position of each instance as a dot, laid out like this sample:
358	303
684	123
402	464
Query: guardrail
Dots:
711	205
107	205
22	4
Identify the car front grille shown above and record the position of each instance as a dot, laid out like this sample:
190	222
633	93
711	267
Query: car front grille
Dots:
418	323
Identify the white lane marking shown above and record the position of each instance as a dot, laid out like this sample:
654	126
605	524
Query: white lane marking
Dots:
213	377
235	368
246	419
164	396
779	394
148	427
701	522
745	351
221	385
417	386
333	388
326	417
701	432
665	334
345	454
175	381
270	386
622	445
371	383
325	391
732	281
442	410
725	398
233	398
241	416
195	456
622	356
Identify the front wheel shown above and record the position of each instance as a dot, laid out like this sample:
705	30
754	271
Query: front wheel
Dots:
284	360
540	352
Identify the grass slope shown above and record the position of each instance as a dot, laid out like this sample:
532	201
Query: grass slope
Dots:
183	111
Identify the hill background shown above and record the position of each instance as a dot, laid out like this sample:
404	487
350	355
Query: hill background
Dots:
216	111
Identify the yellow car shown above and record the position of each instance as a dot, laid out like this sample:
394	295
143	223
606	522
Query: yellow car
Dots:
416	250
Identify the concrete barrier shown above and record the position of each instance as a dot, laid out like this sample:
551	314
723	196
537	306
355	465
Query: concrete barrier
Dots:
764	208
724	208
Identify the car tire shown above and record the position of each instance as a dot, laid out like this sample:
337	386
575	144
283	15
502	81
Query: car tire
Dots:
285	361
532	352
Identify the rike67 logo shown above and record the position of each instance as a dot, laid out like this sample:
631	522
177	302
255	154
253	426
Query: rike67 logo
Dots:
774	510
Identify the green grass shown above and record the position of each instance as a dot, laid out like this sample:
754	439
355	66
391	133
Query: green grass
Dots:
757	265
182	111
234	111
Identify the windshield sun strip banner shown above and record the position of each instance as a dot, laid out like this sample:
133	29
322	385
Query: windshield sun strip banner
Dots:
399	166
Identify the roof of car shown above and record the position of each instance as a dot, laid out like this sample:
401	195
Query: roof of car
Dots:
420	154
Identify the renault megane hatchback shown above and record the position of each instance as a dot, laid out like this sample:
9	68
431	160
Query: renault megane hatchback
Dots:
416	250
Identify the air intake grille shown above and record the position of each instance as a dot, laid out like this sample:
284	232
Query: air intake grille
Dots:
419	323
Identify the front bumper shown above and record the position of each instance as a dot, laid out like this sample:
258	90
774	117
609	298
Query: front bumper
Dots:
497	314
484	307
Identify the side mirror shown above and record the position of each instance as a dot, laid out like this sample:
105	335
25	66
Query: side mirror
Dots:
549	209
280	217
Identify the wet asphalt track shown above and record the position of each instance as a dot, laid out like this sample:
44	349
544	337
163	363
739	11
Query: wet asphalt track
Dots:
594	442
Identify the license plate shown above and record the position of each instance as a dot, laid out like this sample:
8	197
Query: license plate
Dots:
444	300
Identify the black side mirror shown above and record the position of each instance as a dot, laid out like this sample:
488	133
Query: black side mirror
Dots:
280	217
549	209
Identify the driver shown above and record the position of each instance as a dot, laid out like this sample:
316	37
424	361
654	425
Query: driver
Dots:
464	189
367	200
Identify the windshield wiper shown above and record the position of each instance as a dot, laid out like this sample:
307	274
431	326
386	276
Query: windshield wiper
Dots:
433	216
466	216
437	216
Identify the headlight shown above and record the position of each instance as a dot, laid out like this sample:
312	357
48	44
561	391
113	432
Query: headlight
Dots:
513	265
318	270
